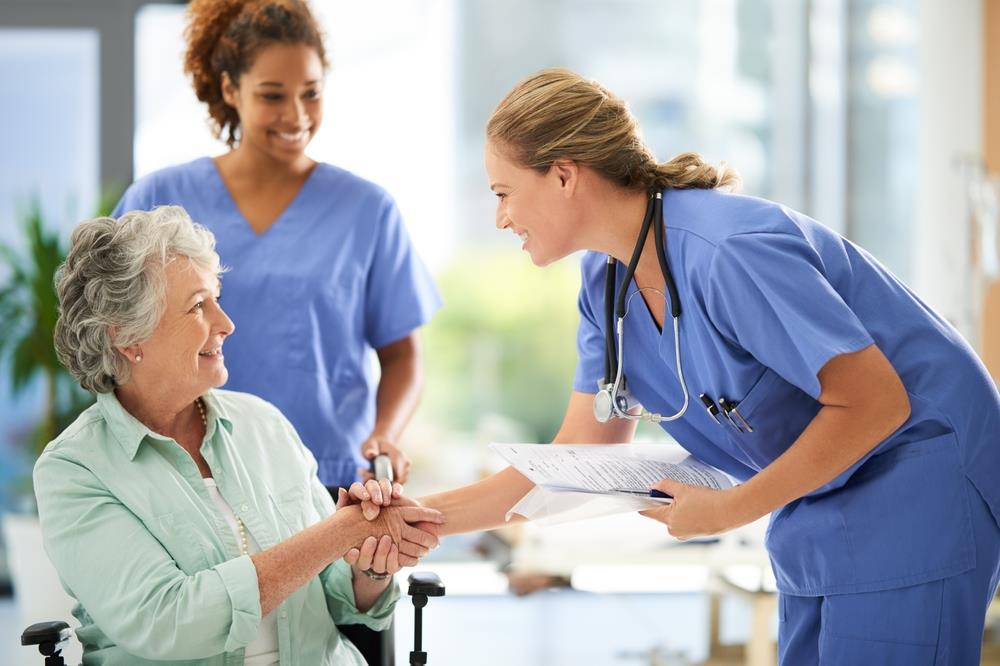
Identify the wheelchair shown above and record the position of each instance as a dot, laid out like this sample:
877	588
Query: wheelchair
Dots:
51	637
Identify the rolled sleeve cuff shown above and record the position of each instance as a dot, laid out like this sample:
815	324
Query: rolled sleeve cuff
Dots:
239	576
377	618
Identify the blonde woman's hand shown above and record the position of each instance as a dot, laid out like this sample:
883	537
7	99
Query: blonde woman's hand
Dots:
695	512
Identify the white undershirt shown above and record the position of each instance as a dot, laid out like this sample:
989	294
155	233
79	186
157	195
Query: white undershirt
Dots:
263	650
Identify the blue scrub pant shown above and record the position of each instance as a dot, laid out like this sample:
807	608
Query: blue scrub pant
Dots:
936	623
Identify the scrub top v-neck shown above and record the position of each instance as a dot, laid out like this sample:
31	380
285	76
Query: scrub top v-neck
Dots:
334	277
217	183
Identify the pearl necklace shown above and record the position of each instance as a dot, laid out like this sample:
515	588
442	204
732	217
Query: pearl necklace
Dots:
244	544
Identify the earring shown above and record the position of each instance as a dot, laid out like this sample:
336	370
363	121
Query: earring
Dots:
138	357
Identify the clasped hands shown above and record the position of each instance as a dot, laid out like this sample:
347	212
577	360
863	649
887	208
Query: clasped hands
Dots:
400	530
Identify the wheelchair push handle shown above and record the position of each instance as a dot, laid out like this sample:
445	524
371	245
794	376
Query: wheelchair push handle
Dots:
425	582
46	632
50	638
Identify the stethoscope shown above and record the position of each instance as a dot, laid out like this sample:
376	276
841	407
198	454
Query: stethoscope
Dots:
613	399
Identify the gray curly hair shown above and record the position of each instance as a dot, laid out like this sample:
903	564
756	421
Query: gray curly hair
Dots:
112	288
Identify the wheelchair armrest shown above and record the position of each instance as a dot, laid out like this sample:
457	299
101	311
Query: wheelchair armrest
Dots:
46	632
425	582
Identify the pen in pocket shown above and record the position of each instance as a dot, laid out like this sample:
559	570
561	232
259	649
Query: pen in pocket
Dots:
729	410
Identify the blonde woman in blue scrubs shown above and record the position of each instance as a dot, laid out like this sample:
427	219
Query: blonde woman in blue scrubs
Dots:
322	268
848	409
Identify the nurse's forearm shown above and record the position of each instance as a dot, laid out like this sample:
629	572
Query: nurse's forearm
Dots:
864	402
481	505
399	387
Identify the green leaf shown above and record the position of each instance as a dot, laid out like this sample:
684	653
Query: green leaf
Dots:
23	366
29	309
15	264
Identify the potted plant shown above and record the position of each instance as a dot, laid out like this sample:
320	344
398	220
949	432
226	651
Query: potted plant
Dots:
28	313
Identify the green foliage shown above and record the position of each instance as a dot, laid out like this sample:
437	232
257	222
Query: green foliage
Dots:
505	342
29	308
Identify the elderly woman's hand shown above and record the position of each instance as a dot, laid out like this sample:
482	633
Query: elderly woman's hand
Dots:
379	555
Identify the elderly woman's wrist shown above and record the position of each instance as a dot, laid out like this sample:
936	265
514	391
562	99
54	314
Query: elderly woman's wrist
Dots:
376	578
349	527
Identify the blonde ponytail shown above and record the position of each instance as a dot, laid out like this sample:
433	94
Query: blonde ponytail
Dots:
557	114
691	171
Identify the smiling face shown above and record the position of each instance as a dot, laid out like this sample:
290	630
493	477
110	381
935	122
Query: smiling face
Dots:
279	101
185	351
533	205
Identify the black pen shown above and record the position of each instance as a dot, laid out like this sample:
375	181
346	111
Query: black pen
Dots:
654	493
710	407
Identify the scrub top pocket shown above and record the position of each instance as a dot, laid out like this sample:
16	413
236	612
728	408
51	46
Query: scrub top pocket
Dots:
777	412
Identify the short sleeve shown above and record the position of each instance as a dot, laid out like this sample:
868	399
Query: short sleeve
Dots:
589	342
400	295
138	196
768	293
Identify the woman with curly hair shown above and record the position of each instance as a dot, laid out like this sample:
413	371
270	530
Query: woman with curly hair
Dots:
322	268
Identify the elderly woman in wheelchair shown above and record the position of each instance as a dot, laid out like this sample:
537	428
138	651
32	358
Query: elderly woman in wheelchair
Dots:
188	522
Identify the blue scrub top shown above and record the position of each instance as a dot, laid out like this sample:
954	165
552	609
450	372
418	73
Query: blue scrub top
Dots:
333	278
768	296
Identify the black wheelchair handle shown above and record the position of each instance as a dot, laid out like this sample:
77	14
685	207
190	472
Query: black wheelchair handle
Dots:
425	582
46	632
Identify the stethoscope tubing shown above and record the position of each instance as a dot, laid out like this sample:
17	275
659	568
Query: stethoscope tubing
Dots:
614	363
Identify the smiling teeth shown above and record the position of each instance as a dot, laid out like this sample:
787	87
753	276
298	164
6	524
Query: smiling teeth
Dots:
212	352
524	236
298	136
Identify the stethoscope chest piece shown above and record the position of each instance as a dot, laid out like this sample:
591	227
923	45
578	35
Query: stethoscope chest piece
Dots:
604	408
609	402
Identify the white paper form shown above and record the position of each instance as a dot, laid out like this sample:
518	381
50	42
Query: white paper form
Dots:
574	482
608	467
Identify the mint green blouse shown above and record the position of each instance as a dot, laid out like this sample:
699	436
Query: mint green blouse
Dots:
155	569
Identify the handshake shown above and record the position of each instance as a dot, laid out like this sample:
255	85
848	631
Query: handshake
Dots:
397	530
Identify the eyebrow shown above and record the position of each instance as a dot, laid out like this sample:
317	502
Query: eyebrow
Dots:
494	186
199	292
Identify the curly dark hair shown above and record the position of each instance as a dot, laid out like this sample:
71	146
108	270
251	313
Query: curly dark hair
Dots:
226	36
